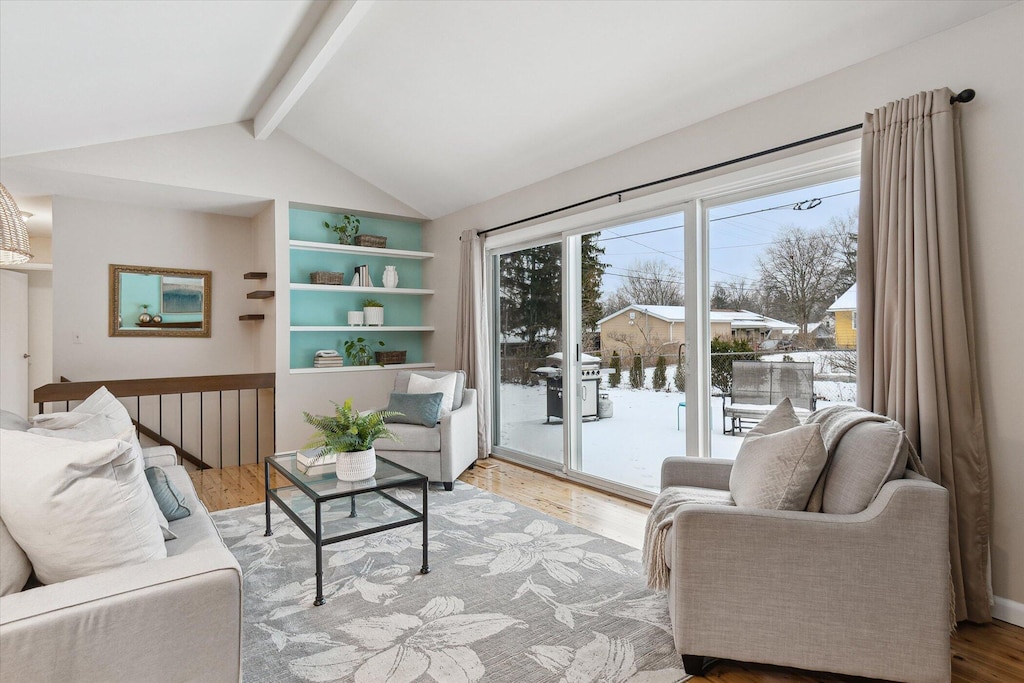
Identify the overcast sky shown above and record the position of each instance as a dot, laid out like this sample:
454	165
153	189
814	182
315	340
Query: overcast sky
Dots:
736	241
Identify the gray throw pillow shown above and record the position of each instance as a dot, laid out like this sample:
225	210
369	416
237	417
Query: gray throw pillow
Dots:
13	421
168	497
778	471
781	418
415	409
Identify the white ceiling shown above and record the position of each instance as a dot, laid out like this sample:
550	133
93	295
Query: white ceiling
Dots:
442	104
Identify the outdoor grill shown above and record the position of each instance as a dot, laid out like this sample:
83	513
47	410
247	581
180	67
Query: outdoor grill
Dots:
590	375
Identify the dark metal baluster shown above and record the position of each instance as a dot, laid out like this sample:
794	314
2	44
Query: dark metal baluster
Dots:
220	445
238	393
202	433
257	424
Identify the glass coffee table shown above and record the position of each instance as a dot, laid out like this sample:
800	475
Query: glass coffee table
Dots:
318	506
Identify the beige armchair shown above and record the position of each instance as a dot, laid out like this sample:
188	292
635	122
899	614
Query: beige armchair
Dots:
444	451
865	593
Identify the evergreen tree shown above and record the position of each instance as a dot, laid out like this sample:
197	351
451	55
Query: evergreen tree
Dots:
591	272
680	379
616	377
723	352
659	380
636	372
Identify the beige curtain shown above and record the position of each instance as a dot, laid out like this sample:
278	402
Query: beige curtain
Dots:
472	341
916	360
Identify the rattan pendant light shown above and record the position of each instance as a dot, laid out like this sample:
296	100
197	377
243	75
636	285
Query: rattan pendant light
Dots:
13	231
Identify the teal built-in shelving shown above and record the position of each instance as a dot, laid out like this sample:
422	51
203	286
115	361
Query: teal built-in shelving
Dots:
319	313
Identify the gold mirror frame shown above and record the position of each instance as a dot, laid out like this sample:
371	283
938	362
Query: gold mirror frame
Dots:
167	328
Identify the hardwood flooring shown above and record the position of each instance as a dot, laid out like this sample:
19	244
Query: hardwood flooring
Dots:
993	653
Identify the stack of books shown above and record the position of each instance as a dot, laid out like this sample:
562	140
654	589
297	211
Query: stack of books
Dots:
310	465
328	358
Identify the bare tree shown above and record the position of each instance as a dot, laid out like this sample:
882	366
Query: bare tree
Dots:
801	273
738	294
650	282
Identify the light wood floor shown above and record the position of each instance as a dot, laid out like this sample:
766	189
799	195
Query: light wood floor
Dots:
981	654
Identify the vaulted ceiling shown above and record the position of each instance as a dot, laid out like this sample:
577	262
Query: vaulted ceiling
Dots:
442	104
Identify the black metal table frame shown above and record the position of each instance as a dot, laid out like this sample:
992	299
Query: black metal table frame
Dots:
317	536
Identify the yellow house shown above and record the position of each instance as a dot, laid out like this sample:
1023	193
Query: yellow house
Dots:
845	309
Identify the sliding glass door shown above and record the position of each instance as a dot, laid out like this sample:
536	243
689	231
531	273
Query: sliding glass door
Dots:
628	340
527	309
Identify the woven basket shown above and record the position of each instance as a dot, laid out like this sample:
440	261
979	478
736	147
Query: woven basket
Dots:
323	277
371	241
389	357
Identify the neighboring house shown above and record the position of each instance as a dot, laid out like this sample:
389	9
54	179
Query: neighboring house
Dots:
845	310
660	329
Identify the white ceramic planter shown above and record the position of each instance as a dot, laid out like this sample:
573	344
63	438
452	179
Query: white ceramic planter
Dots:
373	315
356	466
390	277
355	318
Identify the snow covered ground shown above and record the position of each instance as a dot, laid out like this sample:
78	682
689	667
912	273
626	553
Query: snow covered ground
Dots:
628	447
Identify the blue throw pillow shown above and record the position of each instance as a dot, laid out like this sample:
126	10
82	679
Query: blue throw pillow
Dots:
416	409
167	495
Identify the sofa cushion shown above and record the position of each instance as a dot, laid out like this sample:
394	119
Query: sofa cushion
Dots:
411	438
197	531
77	508
14	565
781	418
418	384
416	409
778	471
866	457
100	416
13	421
168	498
402	382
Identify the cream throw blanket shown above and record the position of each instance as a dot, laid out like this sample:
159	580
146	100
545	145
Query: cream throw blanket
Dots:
660	521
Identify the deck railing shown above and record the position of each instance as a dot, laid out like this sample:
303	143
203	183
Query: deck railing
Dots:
235	428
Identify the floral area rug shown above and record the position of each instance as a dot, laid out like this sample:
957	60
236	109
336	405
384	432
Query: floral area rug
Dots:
512	595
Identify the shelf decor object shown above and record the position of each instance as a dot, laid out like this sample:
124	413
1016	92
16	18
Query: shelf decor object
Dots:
375	241
324	277
373	313
13	231
390	277
389	357
355	318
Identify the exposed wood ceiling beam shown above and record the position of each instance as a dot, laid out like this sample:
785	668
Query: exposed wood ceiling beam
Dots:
336	25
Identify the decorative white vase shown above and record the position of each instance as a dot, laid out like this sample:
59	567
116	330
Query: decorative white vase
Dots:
390	277
356	466
355	318
373	315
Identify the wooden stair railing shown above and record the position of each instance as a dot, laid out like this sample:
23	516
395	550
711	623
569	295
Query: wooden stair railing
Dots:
66	391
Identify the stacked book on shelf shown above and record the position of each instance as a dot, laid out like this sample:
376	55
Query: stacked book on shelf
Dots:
328	358
361	276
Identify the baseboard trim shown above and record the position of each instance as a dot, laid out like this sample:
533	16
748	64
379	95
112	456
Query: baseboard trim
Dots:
1008	610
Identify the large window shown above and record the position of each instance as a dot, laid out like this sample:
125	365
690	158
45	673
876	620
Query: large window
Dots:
617	342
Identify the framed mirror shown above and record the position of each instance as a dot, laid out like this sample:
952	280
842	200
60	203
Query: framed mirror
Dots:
159	302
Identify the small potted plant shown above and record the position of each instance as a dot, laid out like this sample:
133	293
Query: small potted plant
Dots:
347	229
373	312
349	436
360	351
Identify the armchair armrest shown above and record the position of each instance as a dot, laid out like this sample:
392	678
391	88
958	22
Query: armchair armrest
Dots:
182	614
458	437
706	473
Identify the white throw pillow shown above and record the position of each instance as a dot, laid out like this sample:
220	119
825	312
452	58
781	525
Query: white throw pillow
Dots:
101	416
77	508
419	384
778	471
14	565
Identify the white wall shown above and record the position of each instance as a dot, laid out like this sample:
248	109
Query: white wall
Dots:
985	55
40	331
88	236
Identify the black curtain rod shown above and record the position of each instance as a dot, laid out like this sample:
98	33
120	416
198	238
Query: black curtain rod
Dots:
963	96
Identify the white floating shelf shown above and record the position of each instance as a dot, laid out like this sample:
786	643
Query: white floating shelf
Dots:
341	289
362	251
362	368
361	328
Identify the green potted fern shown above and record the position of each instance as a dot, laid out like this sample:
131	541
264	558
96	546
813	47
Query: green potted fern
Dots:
348	435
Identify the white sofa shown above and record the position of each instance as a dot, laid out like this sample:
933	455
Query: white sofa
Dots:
172	619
